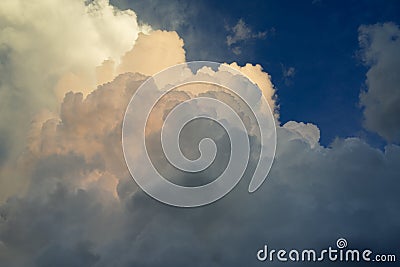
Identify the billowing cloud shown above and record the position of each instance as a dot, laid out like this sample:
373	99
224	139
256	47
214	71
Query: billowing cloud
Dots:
47	51
288	74
166	50
263	81
307	132
380	46
80	207
83	209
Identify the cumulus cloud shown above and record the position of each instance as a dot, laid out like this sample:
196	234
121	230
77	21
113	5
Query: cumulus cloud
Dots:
83	209
380	46
48	48
263	81
288	74
239	33
166	50
80	206
304	131
44	41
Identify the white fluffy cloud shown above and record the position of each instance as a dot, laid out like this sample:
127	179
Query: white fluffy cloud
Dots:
48	48
43	41
304	132
380	44
47	51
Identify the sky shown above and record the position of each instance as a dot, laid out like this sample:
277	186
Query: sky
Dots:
318	40
68	69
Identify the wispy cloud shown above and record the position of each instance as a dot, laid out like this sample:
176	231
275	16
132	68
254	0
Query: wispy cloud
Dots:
240	33
288	74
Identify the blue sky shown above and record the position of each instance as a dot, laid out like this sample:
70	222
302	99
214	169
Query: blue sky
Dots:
319	39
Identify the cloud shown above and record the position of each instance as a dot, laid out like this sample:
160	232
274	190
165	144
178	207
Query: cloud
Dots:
42	43
172	15
239	33
304	131
80	207
263	81
47	49
380	44
288	74
83	209
71	213
166	50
